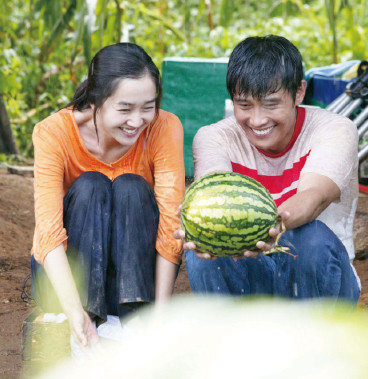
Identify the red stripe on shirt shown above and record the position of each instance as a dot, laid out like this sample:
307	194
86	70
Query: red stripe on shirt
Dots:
275	184
285	196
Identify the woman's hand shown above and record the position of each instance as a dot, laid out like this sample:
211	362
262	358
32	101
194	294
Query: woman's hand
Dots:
58	270
82	329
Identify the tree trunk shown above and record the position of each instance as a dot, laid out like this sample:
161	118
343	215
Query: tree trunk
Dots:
7	140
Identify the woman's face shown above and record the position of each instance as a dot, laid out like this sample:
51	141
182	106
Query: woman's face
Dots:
127	112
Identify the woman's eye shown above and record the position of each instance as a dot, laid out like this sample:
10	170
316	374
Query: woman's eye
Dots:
149	108
124	110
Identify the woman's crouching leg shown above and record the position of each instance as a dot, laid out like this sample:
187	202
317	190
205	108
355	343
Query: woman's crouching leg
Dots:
87	210
87	219
135	218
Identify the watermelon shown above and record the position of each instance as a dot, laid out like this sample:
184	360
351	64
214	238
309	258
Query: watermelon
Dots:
225	213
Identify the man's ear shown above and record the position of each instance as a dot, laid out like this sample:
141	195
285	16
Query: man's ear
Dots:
300	93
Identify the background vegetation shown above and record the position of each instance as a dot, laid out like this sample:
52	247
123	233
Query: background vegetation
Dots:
45	45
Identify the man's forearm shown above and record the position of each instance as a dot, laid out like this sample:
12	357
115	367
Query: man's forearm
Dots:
315	193
304	207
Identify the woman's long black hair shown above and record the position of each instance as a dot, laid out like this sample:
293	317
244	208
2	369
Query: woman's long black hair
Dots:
108	67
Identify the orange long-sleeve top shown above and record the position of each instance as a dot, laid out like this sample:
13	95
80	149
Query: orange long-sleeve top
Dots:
61	157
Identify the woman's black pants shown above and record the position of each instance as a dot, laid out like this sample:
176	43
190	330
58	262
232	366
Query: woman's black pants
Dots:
112	229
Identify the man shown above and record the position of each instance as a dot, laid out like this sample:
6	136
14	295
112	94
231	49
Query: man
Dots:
306	157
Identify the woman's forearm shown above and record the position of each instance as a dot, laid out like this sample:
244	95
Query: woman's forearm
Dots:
165	278
58	270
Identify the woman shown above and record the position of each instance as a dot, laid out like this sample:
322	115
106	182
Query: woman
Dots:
109	177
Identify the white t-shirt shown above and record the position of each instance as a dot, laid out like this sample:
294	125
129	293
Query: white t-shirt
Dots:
323	143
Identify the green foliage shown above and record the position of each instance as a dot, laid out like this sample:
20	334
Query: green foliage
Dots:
46	45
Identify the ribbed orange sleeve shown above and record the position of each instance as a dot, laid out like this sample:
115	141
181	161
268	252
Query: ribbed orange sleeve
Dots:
48	190
169	184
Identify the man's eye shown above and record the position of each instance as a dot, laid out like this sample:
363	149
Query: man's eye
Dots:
124	110
271	105
244	106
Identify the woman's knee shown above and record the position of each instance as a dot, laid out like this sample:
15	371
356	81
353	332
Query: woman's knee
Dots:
90	181
133	188
89	184
130	183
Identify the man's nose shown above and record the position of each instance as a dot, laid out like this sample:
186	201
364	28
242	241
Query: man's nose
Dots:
257	118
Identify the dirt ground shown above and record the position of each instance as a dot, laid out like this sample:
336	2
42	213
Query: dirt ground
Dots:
16	230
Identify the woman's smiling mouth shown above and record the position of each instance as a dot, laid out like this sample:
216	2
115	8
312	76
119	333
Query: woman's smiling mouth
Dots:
130	132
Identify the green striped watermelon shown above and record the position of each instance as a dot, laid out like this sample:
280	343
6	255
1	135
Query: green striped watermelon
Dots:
225	213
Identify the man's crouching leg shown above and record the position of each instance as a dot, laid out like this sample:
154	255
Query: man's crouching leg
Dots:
247	276
321	269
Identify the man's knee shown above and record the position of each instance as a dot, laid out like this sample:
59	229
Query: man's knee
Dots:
318	251
311	241
197	265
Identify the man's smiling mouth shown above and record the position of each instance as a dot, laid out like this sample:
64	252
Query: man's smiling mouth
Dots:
262	132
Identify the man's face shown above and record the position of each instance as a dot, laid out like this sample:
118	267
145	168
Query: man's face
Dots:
269	122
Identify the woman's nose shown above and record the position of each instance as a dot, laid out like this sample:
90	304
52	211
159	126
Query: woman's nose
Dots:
135	120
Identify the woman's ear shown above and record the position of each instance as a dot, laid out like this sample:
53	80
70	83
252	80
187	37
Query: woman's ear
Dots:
300	93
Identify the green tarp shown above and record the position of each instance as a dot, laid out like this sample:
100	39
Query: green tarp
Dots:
195	90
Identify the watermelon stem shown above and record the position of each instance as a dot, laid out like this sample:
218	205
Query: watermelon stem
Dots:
278	248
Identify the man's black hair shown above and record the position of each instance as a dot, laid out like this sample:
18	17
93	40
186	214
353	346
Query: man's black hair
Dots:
262	65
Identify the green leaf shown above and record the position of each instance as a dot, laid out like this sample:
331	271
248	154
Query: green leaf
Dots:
79	30
226	12
59	27
155	15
